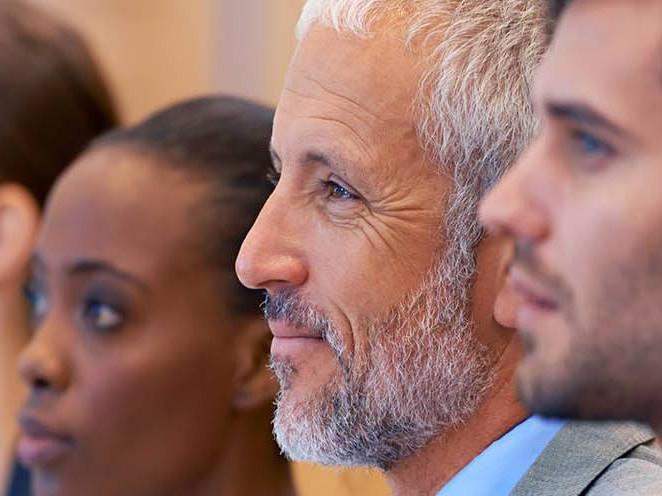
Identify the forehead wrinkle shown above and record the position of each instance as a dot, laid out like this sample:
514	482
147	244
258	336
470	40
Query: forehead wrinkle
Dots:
363	143
352	103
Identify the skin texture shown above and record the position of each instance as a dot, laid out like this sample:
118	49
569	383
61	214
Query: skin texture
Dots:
585	209
354	225
133	358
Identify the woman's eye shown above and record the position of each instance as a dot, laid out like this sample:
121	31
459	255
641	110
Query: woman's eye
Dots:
36	299
102	316
337	192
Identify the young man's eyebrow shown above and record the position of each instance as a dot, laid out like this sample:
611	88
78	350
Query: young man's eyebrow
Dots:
581	113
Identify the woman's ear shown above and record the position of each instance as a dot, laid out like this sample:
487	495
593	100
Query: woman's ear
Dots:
255	384
508	301
19	220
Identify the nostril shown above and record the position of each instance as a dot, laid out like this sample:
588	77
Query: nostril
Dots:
40	383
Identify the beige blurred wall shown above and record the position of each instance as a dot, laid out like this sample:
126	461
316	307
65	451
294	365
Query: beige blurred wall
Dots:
256	40
155	52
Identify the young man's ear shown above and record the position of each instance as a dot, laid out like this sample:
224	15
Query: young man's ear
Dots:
255	384
508	301
19	220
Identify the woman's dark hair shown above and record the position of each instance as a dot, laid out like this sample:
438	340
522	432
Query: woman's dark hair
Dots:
53	101
224	142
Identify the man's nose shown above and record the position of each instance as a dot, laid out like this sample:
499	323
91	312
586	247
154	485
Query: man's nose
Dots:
272	254
511	207
42	365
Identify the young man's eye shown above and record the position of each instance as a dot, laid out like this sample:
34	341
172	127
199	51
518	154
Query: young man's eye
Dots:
336	191
591	145
102	316
273	176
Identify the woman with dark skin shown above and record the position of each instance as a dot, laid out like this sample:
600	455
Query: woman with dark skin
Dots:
148	365
53	102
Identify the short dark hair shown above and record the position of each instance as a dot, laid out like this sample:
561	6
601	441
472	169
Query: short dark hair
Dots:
223	141
556	7
53	98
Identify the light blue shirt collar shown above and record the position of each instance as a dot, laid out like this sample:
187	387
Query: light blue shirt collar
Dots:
498	469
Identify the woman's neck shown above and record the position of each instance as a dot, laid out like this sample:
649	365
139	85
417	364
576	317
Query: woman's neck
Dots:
251	464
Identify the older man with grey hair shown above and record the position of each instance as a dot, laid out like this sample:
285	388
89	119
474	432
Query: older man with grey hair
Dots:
393	326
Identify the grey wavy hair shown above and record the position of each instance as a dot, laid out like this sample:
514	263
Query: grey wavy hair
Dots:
473	109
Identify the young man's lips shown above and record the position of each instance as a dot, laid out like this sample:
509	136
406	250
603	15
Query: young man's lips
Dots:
535	294
39	444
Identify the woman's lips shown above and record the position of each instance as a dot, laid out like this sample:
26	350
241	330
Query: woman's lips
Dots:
40	445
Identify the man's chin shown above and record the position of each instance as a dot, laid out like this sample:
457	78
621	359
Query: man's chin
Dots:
298	425
544	392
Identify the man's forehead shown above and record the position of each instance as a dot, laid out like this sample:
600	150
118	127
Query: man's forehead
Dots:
619	34
377	74
606	54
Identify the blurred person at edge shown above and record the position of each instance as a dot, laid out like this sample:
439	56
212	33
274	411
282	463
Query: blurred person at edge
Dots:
148	364
583	204
394	339
53	102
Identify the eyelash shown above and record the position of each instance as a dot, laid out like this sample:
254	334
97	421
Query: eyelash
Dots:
37	302
273	176
93	308
333	188
581	137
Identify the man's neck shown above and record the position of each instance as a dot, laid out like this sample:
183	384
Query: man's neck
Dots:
425	473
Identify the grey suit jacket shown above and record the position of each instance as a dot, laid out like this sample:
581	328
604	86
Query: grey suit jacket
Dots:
596	459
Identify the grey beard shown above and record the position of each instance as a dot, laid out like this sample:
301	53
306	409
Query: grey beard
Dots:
422	373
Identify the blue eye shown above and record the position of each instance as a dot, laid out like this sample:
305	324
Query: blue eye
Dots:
102	316
36	299
337	192
590	145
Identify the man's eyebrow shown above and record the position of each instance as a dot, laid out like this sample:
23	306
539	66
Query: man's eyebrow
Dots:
313	156
89	266
318	157
580	113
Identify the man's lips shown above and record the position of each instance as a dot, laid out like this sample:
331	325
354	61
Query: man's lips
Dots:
536	294
292	340
40	444
283	330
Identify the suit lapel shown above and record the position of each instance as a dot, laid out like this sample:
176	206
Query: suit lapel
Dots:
577	456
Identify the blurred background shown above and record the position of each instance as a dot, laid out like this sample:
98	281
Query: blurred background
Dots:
156	52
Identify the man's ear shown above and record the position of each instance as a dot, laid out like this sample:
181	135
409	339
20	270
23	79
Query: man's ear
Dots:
508	301
19	220
255	384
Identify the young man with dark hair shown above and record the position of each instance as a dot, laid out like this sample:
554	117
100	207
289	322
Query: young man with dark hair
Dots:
584	208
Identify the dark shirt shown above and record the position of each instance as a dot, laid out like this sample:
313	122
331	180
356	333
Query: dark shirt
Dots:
20	481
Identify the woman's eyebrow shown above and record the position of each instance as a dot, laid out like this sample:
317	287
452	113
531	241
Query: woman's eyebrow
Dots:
87	266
